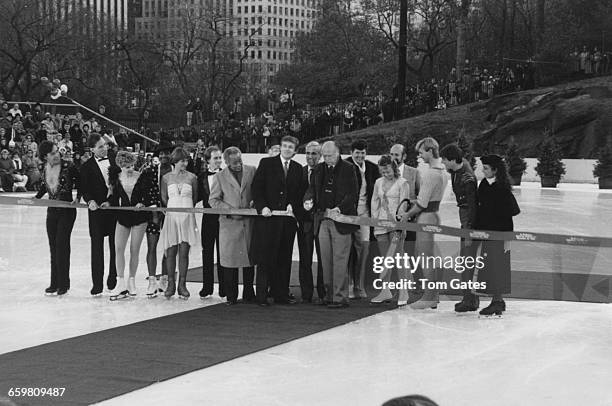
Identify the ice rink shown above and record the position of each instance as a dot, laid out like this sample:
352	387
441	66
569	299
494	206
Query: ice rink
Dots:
539	353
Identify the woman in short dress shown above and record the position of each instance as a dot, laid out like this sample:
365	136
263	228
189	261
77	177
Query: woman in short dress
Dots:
179	189
496	207
128	189
390	191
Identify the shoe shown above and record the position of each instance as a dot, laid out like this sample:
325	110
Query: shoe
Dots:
363	294
111	283
171	288
120	291
153	288
424	304
337	305
50	291
95	292
470	303
231	302
288	301
497	307
248	294
62	291
131	286
204	293
351	295
402	303
383	297
182	288
163	284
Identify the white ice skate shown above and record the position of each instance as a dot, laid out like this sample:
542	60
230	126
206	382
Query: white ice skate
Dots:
120	291
153	288
131	287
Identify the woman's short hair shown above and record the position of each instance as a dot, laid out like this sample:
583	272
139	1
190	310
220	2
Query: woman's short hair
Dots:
429	144
387	160
44	148
179	154
125	159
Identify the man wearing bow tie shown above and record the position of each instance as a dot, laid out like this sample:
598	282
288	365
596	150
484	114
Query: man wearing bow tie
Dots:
277	185
210	224
95	190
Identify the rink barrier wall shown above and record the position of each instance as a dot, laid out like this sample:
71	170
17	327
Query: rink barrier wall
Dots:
574	240
577	170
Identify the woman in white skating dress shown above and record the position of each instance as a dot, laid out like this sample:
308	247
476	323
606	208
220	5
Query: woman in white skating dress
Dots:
179	188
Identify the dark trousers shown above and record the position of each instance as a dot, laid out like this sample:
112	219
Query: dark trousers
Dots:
59	229
230	281
210	237
307	243
102	225
276	272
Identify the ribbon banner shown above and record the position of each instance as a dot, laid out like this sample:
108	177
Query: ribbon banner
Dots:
574	240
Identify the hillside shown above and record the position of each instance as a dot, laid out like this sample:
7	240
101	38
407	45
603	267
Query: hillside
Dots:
579	114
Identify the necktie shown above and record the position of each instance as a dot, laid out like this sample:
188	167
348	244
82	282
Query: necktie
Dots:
286	168
309	175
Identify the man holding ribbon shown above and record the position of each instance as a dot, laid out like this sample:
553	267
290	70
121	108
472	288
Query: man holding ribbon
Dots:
94	189
276	186
333	191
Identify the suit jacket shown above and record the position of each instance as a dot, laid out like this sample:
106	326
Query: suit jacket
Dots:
234	232
371	174
305	218
413	177
270	189
93	187
345	197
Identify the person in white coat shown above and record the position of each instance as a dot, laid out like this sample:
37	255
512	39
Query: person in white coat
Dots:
232	190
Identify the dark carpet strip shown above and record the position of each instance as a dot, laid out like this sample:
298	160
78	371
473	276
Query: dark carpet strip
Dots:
106	364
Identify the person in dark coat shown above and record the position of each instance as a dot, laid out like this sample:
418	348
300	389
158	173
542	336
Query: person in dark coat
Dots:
367	173
277	185
496	207
58	180
464	187
333	191
94	189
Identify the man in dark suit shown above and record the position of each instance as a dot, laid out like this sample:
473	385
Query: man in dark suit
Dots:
277	185
94	189
307	243
367	173
210	224
333	191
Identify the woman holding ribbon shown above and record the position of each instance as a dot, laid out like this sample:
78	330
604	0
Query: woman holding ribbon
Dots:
58	180
390	191
179	189
128	189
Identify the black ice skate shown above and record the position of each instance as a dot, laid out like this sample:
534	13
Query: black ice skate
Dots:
496	308
470	303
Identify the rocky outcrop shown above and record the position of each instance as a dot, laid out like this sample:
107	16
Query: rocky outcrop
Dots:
578	115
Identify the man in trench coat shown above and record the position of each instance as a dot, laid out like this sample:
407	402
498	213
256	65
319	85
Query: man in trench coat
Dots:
232	190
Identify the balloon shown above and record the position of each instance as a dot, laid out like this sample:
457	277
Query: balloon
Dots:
55	93
44	80
64	89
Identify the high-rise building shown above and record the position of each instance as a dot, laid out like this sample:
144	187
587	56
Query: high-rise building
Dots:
107	16
267	31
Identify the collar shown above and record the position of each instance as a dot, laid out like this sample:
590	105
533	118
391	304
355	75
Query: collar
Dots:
436	163
283	160
491	180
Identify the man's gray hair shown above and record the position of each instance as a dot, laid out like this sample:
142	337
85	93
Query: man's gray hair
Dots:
331	143
230	151
313	144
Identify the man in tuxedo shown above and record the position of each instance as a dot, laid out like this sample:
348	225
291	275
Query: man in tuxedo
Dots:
94	189
277	185
307	243
210	224
333	190
367	173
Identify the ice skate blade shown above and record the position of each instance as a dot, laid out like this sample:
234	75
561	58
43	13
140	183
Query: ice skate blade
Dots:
490	316
51	294
183	297
151	295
